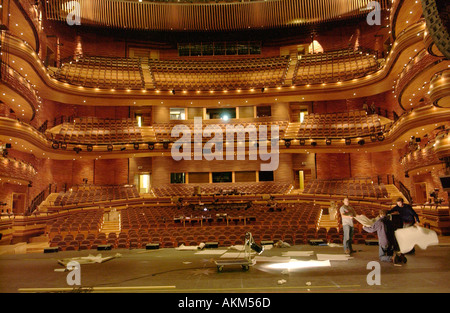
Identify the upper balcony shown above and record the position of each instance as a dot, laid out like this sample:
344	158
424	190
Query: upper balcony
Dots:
217	76
15	171
412	84
120	85
427	156
18	93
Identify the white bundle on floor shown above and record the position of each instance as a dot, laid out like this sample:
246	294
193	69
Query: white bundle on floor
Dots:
408	237
91	259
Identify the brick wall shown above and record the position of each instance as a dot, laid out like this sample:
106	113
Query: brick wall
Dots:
333	165
163	166
111	172
355	165
102	111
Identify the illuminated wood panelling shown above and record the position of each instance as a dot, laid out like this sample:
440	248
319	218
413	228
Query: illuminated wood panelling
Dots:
209	16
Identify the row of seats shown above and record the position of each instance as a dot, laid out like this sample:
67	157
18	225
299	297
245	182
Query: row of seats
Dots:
169	218
188	74
282	224
219	74
334	66
163	130
76	223
95	130
184	190
102	72
92	194
351	188
139	240
292	223
348	124
91	130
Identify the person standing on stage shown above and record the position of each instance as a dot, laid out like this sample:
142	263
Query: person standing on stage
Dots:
407	214
347	214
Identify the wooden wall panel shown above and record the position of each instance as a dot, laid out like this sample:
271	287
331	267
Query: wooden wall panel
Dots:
163	166
208	16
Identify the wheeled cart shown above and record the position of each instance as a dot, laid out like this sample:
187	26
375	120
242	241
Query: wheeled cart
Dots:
245	262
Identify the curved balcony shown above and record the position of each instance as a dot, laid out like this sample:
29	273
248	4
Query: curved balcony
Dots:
442	146
404	13
18	92
25	24
15	171
440	89
377	82
416	121
411	85
219	75
426	157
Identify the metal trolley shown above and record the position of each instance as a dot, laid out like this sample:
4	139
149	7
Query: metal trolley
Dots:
247	260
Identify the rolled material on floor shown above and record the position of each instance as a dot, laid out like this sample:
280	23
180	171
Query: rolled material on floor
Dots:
298	253
334	257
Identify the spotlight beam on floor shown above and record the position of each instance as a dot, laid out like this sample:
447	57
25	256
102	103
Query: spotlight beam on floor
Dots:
296	264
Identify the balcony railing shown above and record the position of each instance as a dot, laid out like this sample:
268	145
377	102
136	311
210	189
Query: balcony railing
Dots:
17	82
16	169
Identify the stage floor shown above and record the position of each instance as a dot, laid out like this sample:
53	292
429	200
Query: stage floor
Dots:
173	271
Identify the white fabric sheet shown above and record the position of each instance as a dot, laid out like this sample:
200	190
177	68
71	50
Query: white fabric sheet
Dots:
408	237
364	220
186	248
91	259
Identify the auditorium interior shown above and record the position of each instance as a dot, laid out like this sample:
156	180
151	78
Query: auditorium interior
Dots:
121	146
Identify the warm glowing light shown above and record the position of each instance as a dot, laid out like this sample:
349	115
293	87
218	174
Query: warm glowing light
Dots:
295	264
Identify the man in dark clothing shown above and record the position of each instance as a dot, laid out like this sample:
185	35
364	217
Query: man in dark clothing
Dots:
406	212
387	244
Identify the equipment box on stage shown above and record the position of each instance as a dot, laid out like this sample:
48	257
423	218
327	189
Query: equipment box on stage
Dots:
316	242
104	247
152	246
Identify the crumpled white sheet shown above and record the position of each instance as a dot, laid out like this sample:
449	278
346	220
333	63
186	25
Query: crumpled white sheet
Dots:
408	237
182	247
364	220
